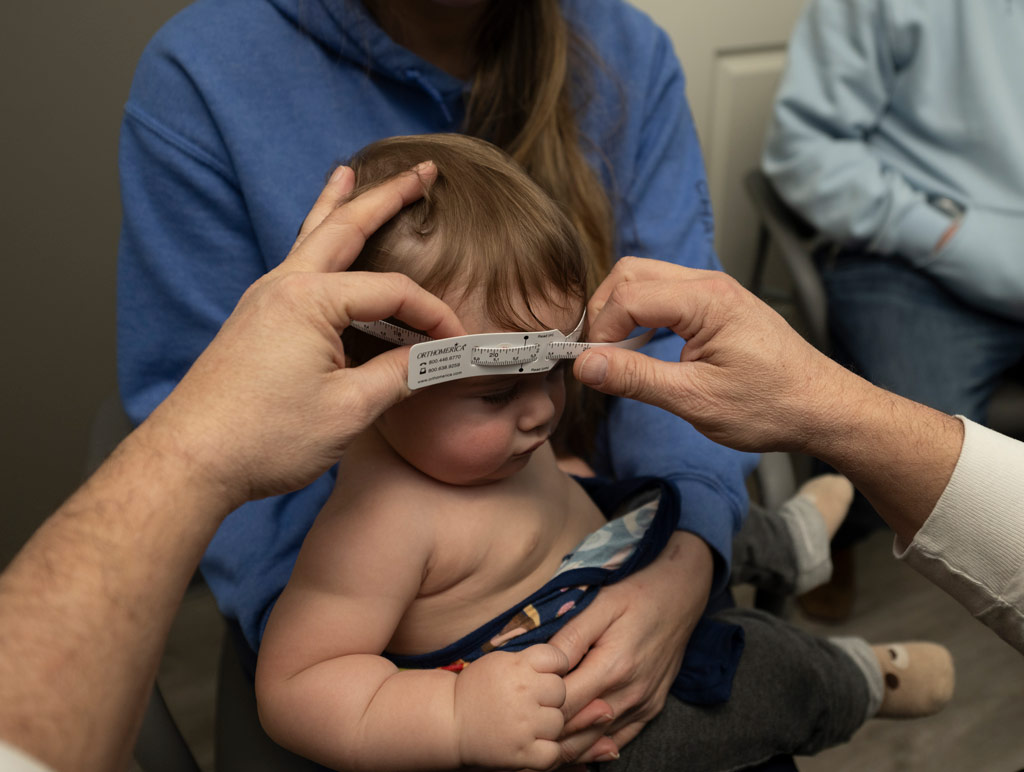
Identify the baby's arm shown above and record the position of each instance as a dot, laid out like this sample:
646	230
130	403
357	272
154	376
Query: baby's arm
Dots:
324	691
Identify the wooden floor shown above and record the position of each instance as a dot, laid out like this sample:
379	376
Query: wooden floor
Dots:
982	730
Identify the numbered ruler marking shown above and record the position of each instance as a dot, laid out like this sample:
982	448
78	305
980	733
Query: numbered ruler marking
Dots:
505	355
392	333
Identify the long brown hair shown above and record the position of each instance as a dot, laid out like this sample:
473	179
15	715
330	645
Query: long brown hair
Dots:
533	76
530	82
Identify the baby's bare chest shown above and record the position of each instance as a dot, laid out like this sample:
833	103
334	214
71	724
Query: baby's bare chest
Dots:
485	559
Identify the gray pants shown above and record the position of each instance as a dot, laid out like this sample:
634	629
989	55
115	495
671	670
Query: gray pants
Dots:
793	694
785	551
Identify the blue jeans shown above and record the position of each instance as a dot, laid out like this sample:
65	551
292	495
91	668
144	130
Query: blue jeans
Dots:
901	330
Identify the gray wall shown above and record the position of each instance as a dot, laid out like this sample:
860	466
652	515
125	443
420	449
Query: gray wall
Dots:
65	70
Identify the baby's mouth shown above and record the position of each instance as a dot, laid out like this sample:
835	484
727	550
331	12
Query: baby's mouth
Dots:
532	448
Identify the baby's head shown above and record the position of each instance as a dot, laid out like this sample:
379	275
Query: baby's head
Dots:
502	254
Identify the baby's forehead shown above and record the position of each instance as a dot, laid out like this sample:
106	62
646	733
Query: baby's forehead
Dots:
489	381
473	386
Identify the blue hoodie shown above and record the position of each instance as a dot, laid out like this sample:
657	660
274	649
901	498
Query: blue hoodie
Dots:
886	105
238	111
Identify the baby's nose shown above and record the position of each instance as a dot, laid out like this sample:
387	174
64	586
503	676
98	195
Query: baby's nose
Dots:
538	407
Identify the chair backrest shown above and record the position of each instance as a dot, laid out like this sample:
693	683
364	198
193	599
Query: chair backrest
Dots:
796	241
1006	411
241	744
159	746
109	426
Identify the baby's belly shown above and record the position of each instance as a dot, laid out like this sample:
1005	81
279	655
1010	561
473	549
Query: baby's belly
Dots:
433	623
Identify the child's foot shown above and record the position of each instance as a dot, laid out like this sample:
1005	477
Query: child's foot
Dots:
813	516
831	495
917	677
831	600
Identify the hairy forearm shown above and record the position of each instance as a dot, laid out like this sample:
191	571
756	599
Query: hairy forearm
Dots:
359	712
86	605
898	453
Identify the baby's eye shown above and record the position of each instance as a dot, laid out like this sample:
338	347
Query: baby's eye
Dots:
502	397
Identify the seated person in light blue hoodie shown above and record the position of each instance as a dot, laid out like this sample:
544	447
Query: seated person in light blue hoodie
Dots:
414	631
897	133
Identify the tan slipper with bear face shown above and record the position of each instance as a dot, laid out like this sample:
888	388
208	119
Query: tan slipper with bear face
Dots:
918	678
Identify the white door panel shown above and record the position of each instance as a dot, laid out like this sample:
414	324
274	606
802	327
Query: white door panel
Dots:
733	52
743	89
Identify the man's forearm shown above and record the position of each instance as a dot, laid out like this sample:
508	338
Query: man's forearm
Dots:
86	605
898	453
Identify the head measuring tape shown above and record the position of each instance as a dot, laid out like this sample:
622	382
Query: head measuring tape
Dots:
490	353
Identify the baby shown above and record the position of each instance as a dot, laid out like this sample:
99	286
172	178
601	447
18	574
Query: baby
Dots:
411	634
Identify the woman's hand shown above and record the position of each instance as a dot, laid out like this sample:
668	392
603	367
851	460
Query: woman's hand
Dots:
627	646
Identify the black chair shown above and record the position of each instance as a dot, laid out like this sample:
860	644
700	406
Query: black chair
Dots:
160	746
240	742
796	243
241	745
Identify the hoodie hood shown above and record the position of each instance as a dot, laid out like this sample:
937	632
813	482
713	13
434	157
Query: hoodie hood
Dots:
346	29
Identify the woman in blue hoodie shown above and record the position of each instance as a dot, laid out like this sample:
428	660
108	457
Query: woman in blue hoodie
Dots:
238	110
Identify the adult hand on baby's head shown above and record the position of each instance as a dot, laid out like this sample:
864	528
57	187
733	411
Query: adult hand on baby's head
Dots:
270	404
745	378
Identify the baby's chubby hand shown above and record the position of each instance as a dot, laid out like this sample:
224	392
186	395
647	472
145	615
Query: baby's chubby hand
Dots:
507	708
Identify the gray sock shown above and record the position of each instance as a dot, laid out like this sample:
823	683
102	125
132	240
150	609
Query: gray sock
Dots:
811	543
860	652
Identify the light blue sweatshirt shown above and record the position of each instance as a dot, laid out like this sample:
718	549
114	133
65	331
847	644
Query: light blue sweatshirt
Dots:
238	111
886	104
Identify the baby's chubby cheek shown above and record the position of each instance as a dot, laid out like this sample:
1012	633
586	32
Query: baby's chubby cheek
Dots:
469	456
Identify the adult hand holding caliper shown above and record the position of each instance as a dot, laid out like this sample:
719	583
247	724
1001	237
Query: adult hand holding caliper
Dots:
746	379
950	489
